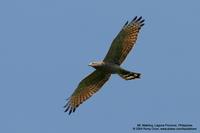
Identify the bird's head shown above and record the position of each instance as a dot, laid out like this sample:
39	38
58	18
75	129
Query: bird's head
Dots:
96	64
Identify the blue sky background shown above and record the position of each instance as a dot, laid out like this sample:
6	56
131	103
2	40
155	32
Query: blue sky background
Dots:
45	46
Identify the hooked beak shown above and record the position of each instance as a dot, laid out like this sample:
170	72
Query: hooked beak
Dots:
90	64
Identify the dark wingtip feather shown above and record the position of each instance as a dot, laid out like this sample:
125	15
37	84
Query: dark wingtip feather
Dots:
142	25
67	109
70	111
134	18
74	109
126	23
66	104
142	21
139	19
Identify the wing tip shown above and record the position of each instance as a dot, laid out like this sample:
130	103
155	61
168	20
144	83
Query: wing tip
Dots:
125	24
69	108
139	20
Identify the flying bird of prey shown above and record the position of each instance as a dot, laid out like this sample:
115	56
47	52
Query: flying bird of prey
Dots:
117	53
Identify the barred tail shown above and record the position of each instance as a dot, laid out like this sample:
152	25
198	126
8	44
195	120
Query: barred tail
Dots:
127	75
130	76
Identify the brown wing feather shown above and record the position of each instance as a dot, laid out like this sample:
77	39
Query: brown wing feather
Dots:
124	41
86	88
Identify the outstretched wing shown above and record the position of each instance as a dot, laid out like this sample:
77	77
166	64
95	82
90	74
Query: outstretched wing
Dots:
86	88
124	41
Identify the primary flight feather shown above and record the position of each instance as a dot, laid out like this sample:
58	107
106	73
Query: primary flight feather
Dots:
120	47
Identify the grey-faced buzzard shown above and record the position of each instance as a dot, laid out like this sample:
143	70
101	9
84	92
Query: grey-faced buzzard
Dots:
117	53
